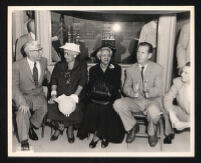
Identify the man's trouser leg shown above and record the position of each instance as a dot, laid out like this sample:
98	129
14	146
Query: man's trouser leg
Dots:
182	116
153	116
38	114
168	126
23	124
124	107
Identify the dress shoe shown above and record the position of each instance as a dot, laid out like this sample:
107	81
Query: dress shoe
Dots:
32	126
59	128
32	134
104	143
71	140
168	139
56	134
153	140
70	134
24	145
93	143
132	134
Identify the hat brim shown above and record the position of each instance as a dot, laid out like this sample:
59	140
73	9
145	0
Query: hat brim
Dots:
63	47
36	49
94	53
66	48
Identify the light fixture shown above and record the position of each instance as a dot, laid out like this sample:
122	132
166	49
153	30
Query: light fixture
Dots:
116	27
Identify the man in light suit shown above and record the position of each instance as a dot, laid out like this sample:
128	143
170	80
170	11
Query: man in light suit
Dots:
143	88
180	90
19	51
27	92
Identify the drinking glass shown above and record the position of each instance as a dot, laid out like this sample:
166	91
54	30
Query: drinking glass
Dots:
146	88
136	88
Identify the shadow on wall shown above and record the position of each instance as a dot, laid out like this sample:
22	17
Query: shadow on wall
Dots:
132	48
121	49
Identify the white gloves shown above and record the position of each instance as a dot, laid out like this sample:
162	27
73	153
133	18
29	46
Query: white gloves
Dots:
67	104
74	97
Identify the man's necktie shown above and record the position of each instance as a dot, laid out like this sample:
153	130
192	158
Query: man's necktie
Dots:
35	74
142	75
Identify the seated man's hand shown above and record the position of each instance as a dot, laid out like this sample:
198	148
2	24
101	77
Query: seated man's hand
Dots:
146	88
180	70
24	108
136	88
146	93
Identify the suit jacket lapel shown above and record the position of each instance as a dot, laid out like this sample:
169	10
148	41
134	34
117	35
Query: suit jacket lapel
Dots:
138	72
137	75
148	71
42	72
27	69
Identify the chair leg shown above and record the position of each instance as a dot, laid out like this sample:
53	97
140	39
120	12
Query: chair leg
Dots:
43	125
43	130
161	134
51	131
88	137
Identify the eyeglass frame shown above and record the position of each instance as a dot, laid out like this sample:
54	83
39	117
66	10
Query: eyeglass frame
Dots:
37	50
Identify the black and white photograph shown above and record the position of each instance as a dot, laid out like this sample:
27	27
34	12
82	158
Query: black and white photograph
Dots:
101	81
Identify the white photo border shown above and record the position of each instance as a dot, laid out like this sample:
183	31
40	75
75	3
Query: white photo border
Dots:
191	153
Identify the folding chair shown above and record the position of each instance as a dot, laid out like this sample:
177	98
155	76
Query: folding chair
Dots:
44	124
142	120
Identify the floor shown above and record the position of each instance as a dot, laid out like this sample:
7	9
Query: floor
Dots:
61	147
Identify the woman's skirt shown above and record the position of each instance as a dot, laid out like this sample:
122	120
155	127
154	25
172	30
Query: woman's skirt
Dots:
103	120
74	119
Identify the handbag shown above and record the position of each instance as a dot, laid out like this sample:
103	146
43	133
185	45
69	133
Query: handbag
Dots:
101	91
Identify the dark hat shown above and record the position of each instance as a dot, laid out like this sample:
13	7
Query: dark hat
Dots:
93	54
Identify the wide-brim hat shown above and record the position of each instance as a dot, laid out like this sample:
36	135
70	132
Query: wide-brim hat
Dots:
71	46
94	53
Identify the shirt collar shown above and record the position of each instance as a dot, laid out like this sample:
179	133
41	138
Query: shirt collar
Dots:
31	62
140	66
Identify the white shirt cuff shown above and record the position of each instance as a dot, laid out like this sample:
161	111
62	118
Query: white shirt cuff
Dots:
53	93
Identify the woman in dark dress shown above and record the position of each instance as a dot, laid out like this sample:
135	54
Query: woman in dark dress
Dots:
69	77
100	118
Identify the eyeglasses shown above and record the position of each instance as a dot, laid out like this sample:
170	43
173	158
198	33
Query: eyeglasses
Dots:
69	54
36	50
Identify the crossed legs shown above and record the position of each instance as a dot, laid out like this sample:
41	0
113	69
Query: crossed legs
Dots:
180	119
125	106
